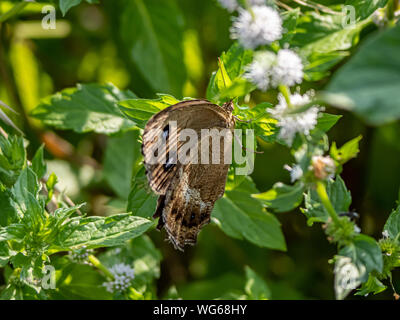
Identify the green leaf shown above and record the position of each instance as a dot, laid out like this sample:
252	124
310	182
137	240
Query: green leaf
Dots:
355	262
347	152
235	60
289	19
373	285
86	108
256	288
65	5
243	217
337	39
141	110
14	231
5	254
26	184
77	281
339	196
238	88
368	83
326	121
392	225
319	64
38	164
8	213
141	201
211	288
219	81
282	197
34	216
365	253
12	158
152	34
364	8
120	156
231	67
322	41
96	232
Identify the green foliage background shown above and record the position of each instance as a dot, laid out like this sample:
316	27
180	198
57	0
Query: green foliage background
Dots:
138	48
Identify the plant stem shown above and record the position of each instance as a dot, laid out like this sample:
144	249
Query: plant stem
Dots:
135	295
96	262
15	10
326	202
286	93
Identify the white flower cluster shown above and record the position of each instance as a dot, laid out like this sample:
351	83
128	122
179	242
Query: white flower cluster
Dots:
296	172
292	123
259	26
81	255
123	276
269	70
260	70
323	167
230	5
385	234
288	69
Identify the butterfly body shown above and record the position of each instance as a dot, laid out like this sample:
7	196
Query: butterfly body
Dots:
187	191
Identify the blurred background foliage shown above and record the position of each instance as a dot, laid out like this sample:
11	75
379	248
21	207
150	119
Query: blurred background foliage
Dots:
106	42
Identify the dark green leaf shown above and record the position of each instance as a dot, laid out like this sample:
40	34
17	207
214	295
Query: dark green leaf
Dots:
365	254
65	5
392	225
86	108
38	164
152	33
364	8
339	196
355	262
100	231
243	217
368	83
8	212
231	67
141	201
12	158
282	198
373	285
26	184
141	110
289	25
256	288
121	153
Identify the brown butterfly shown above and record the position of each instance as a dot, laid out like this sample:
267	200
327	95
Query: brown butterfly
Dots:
187	190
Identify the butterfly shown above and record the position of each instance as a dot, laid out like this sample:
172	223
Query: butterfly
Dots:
187	190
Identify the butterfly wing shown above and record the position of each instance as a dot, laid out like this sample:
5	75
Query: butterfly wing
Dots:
187	191
194	114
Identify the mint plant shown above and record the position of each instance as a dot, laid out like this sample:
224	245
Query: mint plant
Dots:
281	53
